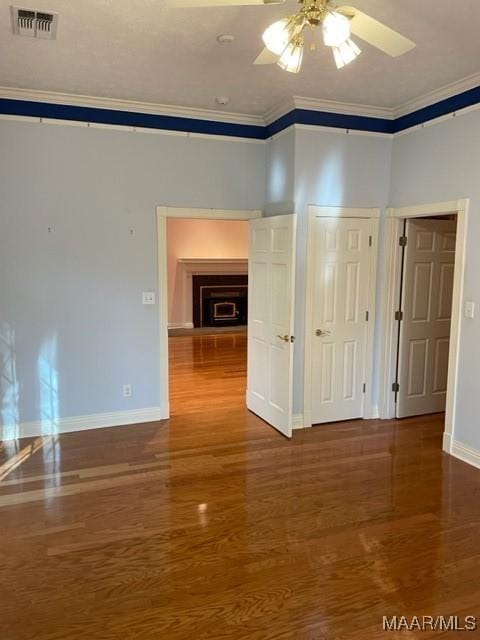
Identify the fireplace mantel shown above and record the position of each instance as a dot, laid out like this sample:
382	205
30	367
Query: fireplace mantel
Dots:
210	266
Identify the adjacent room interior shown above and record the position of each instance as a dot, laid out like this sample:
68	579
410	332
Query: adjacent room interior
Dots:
239	332
207	313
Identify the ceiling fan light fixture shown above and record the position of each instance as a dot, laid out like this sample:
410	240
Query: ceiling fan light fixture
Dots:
291	58
336	29
345	53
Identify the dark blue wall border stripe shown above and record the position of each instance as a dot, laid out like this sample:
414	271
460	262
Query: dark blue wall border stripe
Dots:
129	118
343	121
230	129
279	125
334	120
442	108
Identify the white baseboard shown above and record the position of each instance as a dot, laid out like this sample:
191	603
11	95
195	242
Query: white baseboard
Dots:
466	453
372	414
81	423
180	325
298	421
447	443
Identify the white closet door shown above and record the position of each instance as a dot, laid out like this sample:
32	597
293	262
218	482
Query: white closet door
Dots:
271	276
427	307
340	317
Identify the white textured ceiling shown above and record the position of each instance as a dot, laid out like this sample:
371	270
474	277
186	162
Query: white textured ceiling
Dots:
139	51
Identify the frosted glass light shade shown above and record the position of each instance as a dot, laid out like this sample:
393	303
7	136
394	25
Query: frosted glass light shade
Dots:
291	58
336	29
346	53
277	36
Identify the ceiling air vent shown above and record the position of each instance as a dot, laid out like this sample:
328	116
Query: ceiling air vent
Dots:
35	24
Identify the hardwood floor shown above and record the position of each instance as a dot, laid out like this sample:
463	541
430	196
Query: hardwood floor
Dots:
210	331
212	526
207	372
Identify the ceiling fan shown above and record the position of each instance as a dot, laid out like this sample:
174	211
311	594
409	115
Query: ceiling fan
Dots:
285	39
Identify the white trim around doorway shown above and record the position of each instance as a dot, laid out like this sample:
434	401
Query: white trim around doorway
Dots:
164	212
316	211
391	296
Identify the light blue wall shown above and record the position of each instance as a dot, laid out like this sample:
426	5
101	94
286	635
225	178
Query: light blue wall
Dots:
440	163
77	247
333	169
72	327
280	173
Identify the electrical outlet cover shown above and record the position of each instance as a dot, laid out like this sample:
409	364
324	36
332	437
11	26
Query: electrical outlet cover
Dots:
148	297
469	309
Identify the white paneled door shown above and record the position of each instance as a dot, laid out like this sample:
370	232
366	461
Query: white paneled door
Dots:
429	263
271	263
343	255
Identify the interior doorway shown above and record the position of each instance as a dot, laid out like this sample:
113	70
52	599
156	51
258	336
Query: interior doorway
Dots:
397	348
424	314
207	264
269	310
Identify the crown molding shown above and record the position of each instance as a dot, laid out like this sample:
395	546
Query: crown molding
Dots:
326	106
455	98
278	111
346	108
115	104
432	97
387	113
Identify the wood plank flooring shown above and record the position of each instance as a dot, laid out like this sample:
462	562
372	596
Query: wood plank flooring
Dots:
212	526
207	372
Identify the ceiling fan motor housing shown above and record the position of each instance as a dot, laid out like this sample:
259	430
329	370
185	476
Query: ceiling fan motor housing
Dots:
314	11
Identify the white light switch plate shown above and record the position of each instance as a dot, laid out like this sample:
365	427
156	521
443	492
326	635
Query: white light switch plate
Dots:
469	309
148	297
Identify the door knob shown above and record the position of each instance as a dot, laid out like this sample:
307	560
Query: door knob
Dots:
319	332
285	338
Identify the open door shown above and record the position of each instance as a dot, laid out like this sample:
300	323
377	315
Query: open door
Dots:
429	264
271	276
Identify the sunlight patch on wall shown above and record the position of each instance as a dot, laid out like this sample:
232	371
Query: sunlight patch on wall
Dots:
48	386
9	385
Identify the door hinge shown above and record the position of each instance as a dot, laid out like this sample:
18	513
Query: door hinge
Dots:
370	241
398	315
292	338
395	387
364	387
403	241
367	315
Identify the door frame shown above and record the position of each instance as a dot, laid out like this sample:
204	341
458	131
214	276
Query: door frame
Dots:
164	212
391	296
317	211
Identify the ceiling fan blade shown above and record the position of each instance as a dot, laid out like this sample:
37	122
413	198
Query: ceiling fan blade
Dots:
376	33
266	57
178	4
